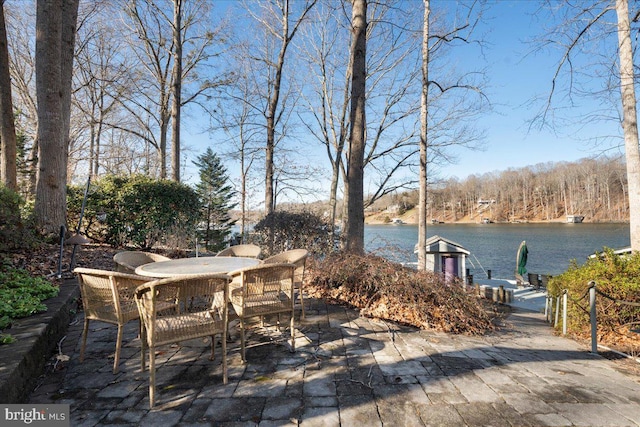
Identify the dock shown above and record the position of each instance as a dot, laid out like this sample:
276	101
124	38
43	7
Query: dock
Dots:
526	298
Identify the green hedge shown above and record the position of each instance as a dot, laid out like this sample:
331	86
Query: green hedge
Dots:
136	210
617	276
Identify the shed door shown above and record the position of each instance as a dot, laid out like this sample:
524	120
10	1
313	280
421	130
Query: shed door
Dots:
450	266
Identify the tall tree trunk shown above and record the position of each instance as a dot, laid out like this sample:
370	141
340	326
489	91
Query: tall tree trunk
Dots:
630	121
177	88
50	182
353	236
243	197
69	22
8	149
269	204
333	192
268	166
96	153
165	116
422	202
55	35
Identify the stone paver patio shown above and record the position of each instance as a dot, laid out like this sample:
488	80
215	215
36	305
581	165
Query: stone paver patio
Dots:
349	371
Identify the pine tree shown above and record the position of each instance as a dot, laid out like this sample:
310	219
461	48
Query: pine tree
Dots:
215	195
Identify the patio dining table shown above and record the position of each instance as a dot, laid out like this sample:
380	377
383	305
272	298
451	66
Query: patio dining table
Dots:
199	265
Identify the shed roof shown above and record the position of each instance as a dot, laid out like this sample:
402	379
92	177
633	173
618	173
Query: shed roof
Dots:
437	244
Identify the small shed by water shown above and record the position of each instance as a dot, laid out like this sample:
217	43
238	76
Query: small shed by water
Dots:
446	257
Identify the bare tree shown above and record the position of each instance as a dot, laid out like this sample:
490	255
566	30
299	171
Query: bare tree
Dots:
328	98
241	123
583	31
55	37
391	106
353	233
393	87
102	76
176	89
156	43
275	18
20	24
8	150
152	99
422	203
630	120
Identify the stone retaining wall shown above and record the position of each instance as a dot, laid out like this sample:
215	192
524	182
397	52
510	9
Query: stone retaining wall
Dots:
22	362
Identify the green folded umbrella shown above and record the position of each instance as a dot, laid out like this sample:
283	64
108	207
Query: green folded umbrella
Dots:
521	260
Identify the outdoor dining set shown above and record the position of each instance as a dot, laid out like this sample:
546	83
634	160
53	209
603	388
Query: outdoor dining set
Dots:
181	299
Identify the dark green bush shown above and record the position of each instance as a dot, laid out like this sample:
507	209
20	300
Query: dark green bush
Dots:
282	230
136	210
14	232
615	276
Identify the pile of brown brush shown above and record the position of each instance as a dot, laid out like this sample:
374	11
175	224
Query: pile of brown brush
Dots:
386	290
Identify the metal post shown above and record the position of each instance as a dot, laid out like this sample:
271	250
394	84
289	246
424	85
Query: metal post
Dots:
564	312
557	311
592	317
84	203
62	231
546	308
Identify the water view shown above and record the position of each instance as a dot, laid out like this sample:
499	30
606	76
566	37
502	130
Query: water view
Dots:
494	246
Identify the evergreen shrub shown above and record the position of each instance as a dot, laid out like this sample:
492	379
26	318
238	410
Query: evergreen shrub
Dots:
136	210
216	194
616	276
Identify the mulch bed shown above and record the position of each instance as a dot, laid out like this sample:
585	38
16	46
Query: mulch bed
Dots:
45	259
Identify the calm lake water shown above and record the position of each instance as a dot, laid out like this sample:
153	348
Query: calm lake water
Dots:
494	246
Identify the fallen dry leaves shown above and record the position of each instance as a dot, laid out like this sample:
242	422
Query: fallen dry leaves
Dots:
386	290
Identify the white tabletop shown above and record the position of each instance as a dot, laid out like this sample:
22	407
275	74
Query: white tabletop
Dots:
200	265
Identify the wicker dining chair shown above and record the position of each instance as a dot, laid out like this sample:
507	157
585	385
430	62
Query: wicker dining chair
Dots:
127	261
248	251
199	309
298	257
261	291
107	296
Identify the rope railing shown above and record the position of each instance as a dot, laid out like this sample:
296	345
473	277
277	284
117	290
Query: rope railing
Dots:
591	293
616	300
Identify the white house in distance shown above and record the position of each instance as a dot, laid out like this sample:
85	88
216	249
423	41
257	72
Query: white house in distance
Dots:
446	257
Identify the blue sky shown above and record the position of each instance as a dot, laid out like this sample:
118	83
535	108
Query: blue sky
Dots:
517	77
